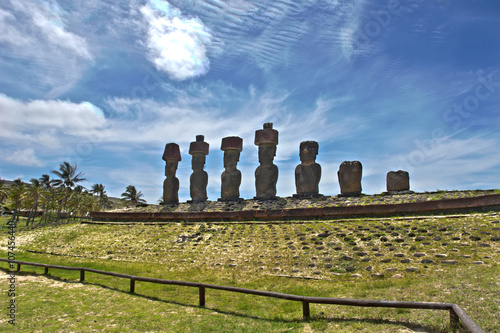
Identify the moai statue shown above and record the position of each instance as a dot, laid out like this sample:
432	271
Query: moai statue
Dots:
266	175
350	178
398	182
231	177
171	156
308	172
199	178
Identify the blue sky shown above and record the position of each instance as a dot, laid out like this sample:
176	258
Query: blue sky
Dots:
411	85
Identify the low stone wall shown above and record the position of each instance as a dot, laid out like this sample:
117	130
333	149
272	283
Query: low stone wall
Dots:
481	203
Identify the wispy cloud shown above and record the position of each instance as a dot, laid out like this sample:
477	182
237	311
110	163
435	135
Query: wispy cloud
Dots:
446	164
52	28
37	43
10	35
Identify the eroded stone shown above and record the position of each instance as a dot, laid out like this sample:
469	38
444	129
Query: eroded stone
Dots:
349	175
398	181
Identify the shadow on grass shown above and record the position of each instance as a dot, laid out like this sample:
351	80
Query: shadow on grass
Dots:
321	317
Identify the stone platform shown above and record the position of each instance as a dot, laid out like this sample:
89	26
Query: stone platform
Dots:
487	202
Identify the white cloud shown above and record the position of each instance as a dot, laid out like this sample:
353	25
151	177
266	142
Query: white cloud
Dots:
46	122
176	45
25	157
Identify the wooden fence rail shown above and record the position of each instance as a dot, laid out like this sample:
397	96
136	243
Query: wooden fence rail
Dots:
456	312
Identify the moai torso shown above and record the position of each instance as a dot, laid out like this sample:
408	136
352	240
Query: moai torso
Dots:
307	177
170	187
198	186
230	185
266	178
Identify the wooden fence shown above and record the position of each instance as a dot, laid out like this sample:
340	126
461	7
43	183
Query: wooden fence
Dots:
456	312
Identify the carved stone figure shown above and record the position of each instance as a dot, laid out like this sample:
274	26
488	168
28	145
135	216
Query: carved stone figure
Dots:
308	172
398	181
349	174
171	156
199	178
231	177
266	175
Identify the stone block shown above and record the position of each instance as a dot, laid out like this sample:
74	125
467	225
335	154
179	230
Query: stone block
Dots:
349	174
398	181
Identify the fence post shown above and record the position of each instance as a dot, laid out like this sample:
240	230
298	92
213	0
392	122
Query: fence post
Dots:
454	320
132	286
305	309
82	275
46	271
202	295
18	267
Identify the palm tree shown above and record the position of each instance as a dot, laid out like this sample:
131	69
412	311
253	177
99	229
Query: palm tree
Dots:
98	190
132	197
17	194
3	192
49	183
34	190
48	196
82	202
69	177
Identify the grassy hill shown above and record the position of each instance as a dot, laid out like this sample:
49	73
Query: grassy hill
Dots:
431	259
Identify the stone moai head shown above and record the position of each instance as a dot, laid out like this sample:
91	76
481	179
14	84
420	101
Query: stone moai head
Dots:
349	174
308	151
267	140
198	149
398	181
171	156
232	146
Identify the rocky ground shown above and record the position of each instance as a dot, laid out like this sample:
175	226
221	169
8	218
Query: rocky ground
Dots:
371	248
325	201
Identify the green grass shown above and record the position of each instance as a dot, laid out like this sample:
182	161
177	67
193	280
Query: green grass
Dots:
288	258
